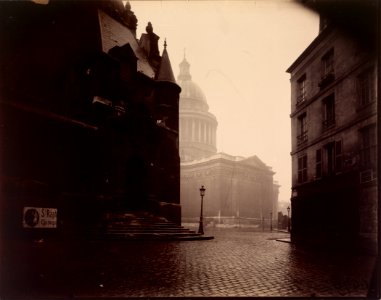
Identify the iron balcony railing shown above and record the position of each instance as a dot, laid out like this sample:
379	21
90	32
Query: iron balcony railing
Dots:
302	138
301	98
328	123
326	79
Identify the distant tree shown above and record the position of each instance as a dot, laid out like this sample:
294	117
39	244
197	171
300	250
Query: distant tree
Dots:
280	220
285	222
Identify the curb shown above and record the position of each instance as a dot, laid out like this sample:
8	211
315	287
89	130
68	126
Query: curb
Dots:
287	240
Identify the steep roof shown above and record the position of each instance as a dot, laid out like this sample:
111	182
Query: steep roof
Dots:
165	70
116	34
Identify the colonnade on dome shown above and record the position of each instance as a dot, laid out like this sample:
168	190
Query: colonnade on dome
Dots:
197	126
193	129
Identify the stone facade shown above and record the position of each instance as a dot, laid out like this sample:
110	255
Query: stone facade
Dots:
334	156
237	189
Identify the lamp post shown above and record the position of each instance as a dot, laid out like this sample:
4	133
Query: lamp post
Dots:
288	219
271	221
201	227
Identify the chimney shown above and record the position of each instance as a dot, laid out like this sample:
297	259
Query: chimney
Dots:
149	43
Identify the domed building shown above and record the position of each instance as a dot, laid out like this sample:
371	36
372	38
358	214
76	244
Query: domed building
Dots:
238	190
196	124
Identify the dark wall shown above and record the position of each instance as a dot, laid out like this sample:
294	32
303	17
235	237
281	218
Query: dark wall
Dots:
58	148
42	45
327	213
45	153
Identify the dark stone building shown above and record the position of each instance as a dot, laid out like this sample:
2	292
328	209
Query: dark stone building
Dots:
334	120
89	115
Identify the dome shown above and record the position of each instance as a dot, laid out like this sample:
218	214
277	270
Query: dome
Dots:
197	126
191	90
191	94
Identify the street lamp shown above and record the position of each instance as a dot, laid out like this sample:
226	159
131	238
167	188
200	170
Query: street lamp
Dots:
201	227
288	219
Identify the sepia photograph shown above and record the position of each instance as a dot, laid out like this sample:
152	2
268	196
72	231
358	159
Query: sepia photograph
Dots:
188	148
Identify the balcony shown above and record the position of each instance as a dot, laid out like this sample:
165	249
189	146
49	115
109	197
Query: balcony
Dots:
300	99
329	123
326	79
302	138
367	176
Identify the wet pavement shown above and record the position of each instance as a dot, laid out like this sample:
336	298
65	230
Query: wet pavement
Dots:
235	263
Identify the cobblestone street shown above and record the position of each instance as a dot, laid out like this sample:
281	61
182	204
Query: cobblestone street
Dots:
235	263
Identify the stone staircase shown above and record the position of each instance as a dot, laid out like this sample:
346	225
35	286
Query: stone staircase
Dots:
145	226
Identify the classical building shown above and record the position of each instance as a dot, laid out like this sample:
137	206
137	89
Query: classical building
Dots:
238	190
334	124
89	116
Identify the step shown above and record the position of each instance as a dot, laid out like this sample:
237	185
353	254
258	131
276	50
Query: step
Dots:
150	237
144	224
149	234
122	218
147	230
147	227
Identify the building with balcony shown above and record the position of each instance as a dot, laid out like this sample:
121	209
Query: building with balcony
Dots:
334	144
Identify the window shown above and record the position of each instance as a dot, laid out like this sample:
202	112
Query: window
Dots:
327	64
365	83
338	157
329	111
301	92
329	150
302	128
368	147
318	164
332	161
302	168
327	69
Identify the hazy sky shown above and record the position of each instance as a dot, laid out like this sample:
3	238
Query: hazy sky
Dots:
239	52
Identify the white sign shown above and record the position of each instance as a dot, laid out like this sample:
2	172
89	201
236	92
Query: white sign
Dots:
39	217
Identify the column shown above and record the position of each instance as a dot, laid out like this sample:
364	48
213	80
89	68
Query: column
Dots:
204	128
197	130
189	130
210	134
202	132
213	135
185	129
193	130
207	132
